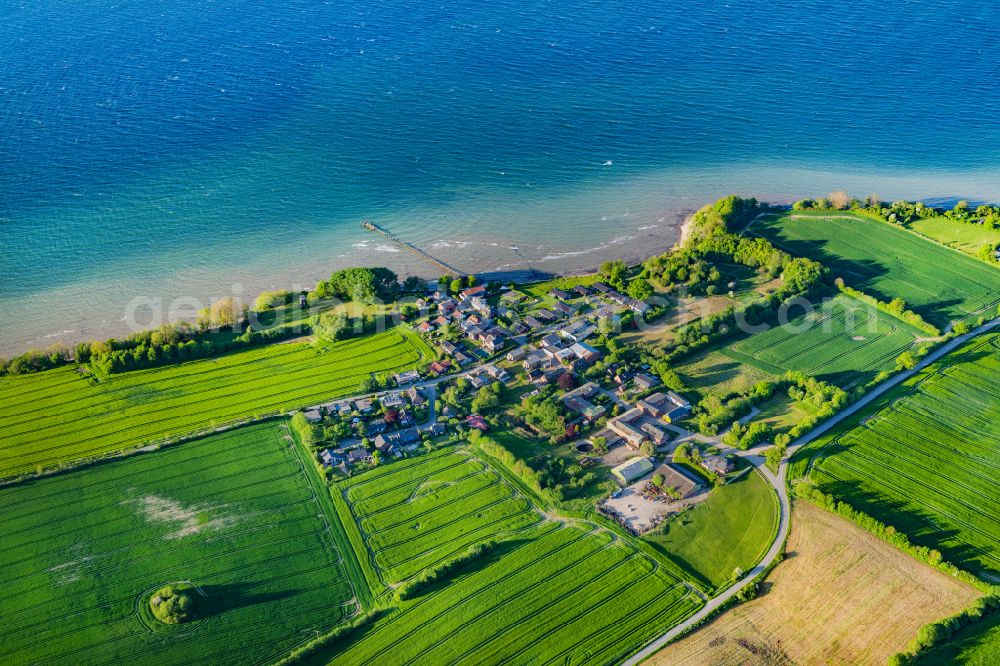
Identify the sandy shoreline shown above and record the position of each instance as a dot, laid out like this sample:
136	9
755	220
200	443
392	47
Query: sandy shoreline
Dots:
491	258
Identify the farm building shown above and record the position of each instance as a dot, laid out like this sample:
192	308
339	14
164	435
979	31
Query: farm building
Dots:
313	416
678	479
630	470
627	426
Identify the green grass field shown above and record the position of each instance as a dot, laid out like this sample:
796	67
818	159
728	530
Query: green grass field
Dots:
232	513
960	235
714	372
59	416
553	594
732	528
419	512
551	591
926	459
940	284
842	341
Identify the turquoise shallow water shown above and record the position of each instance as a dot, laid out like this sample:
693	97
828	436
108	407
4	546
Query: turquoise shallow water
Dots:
152	150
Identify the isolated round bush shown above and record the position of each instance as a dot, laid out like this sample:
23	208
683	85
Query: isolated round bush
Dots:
174	604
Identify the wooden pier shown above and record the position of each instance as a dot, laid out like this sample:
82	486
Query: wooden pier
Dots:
440	265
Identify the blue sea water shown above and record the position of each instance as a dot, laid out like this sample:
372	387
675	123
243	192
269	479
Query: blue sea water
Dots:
173	148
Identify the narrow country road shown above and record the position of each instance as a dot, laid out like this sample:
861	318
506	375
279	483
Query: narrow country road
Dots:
755	458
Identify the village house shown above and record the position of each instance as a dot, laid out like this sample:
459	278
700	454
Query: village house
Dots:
645	382
447	306
516	354
563	309
314	416
717	464
560	294
533	323
391	400
497	373
433	429
416	396
463	358
601	287
357	455
363	405
408	377
449	347
329	458
535	359
551	340
478	422
399	438
493	343
582	290
481	306
466	294
439	367
585	352
656	434
565	355
375	426
546	315
519	328
578	400
425	327
639	307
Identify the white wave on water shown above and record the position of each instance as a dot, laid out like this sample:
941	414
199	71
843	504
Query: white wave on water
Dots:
576	253
382	247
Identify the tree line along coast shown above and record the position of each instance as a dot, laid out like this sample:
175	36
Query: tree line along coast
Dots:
497	438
